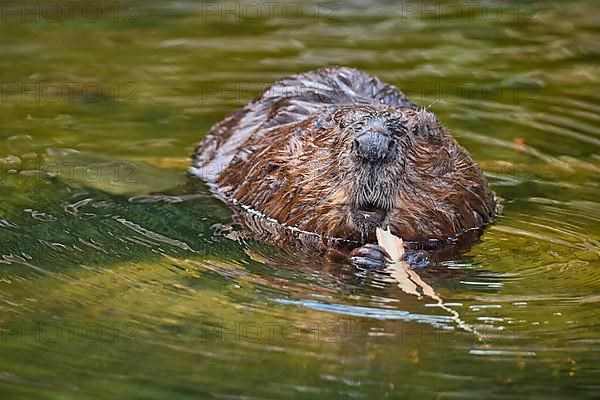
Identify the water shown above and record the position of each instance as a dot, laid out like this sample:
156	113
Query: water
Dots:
121	278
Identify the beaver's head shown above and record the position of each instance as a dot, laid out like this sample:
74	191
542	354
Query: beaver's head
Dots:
399	168
344	173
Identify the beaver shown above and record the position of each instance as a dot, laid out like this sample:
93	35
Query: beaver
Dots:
337	153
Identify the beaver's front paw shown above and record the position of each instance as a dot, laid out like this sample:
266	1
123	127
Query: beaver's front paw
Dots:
416	258
370	256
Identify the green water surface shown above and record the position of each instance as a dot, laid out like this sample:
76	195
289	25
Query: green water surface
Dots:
120	277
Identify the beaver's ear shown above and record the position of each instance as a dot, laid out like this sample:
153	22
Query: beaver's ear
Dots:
428	127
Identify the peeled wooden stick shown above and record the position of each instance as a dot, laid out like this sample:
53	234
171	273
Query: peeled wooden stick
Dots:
394	246
391	243
409	281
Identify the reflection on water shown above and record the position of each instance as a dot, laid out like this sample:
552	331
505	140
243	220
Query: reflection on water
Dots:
120	277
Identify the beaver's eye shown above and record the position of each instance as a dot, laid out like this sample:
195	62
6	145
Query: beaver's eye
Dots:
358	126
391	146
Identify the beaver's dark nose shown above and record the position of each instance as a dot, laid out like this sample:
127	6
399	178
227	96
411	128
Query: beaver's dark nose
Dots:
373	146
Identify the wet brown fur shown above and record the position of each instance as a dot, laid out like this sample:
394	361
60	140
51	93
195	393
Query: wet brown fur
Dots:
289	155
